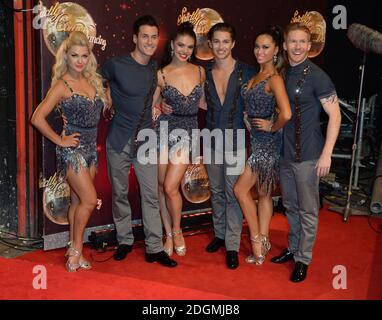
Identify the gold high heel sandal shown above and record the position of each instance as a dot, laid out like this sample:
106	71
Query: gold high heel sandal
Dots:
258	260
169	251
181	250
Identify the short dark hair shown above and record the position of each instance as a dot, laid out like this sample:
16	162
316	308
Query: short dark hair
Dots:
222	26
142	21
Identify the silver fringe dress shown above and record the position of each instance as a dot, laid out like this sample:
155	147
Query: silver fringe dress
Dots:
82	115
184	116
265	146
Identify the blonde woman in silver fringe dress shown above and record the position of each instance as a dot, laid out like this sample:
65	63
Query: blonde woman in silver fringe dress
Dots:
78	93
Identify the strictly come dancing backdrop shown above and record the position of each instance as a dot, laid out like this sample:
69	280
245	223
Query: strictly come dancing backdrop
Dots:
108	25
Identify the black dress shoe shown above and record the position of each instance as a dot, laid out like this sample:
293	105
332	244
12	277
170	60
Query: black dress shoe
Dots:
215	244
285	256
299	272
232	259
122	251
161	257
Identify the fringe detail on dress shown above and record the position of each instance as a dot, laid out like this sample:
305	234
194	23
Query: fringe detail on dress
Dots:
75	160
178	143
265	164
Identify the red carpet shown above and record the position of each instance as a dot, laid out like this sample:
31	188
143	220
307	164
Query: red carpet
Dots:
200	275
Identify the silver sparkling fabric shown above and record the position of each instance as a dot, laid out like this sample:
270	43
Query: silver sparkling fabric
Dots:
184	116
265	146
82	115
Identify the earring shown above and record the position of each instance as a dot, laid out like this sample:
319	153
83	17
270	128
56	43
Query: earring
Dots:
172	53
189	58
275	59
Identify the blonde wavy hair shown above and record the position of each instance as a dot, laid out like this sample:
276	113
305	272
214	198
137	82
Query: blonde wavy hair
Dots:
77	38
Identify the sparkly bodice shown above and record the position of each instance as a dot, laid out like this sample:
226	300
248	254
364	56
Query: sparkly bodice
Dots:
83	115
182	104
258	103
184	116
81	111
185	108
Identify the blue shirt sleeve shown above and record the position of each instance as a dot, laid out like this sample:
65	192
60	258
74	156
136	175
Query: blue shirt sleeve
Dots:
107	70
323	85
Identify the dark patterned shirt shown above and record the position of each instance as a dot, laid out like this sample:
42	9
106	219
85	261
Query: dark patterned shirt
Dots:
317	85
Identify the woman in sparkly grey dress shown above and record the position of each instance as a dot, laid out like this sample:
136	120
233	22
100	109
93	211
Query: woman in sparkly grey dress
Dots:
267	107
78	93
180	84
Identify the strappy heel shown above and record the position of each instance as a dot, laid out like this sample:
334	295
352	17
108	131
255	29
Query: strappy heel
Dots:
170	250
72	267
181	250
266	244
83	263
257	259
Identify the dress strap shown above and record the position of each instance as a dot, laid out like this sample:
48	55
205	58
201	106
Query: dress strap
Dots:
200	75
267	78
164	78
69	87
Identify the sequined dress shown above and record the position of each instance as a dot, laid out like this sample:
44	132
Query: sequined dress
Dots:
184	116
265	146
82	114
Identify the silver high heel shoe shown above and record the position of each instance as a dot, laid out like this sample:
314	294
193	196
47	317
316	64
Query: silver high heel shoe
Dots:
72	267
83	263
169	251
181	250
258	260
266	244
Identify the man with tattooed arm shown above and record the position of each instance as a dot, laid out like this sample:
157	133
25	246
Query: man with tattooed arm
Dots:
305	155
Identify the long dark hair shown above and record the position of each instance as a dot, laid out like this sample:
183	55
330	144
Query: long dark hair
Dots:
277	35
185	28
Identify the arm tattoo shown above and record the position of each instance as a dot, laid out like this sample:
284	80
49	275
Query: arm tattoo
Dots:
331	99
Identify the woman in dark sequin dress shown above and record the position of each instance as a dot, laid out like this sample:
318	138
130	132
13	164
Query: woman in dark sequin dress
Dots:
261	95
78	93
180	84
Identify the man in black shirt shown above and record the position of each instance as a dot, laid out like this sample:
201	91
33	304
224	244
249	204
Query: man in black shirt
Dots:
132	82
306	155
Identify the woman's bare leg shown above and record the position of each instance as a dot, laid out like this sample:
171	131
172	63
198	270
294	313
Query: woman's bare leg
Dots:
174	175
243	194
82	184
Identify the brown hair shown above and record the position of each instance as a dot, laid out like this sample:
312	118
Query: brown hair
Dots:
222	26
